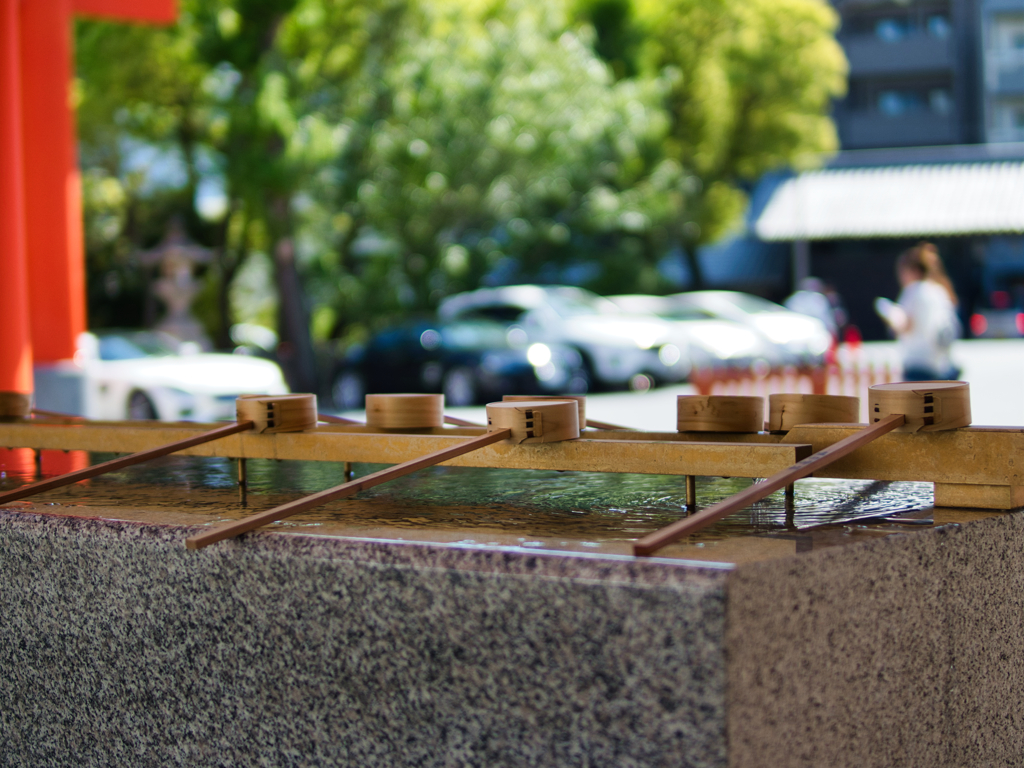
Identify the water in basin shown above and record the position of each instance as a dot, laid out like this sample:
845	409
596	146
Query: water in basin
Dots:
581	511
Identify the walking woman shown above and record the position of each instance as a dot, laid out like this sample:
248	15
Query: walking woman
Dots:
924	319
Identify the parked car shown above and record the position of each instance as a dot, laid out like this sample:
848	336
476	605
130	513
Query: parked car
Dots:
468	361
1001	318
798	338
997	324
151	375
713	342
617	349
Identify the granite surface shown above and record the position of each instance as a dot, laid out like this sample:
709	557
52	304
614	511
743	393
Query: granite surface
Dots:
908	651
120	647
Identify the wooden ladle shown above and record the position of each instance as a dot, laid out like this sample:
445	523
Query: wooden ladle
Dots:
260	413
906	406
580	399
518	422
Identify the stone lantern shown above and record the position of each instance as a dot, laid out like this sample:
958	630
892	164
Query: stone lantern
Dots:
176	258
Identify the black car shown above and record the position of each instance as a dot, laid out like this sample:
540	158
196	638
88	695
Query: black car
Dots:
470	362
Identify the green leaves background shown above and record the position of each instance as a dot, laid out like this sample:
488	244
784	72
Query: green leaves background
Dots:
354	161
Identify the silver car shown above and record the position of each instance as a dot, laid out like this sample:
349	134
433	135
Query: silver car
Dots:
799	339
619	349
714	342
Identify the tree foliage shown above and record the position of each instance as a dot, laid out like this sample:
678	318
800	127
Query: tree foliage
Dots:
508	145
751	86
378	156
237	95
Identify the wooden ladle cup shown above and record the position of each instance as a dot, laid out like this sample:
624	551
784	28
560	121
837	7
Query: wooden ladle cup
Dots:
520	422
909	406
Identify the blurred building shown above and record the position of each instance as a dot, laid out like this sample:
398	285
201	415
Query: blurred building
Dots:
932	135
913	73
932	72
1002	36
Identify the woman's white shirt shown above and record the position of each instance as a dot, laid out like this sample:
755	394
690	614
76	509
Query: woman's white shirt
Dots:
933	325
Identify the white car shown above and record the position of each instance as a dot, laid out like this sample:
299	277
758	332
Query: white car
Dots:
799	338
618	349
151	375
714	342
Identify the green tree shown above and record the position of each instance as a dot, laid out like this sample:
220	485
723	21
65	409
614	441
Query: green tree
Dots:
140	104
751	86
382	155
504	138
236	92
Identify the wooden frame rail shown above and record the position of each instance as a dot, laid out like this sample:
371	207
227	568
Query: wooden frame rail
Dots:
970	467
363	444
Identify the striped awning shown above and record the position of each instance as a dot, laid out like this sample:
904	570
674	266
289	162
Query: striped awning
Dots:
897	201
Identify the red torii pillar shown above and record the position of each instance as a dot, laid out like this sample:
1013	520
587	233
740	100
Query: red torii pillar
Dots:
15	342
41	239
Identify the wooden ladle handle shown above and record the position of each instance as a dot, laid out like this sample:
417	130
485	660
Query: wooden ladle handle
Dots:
455	421
520	422
651	543
603	425
124	461
329	419
237	527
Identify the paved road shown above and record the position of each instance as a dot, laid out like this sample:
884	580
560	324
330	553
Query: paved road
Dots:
994	368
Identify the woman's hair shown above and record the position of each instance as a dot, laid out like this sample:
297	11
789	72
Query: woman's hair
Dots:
924	259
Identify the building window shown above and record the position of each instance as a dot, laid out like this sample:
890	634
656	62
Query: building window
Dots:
1007	32
1007	120
891	30
1004	75
938	26
894	24
894	102
940	101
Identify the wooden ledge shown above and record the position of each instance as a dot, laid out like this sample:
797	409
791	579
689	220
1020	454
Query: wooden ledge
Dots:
358	444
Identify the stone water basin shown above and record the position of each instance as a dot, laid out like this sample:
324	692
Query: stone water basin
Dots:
481	617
